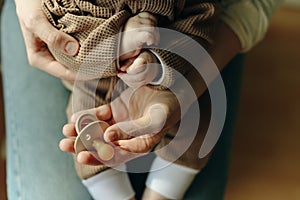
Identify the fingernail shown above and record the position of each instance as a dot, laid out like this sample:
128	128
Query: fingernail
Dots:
71	48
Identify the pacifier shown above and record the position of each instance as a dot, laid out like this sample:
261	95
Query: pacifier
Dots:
90	137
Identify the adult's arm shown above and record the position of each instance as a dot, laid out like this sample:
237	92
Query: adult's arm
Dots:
249	19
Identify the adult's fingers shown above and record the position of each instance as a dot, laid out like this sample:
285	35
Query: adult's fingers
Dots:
120	156
141	144
69	130
152	122
102	113
54	38
87	158
44	61
141	135
40	57
67	145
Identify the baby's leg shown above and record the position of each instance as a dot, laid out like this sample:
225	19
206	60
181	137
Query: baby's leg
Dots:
138	30
101	181
168	180
151	194
175	172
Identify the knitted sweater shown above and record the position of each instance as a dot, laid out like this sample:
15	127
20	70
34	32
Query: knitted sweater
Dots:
96	24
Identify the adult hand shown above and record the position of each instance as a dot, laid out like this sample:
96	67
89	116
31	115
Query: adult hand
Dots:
38	34
138	121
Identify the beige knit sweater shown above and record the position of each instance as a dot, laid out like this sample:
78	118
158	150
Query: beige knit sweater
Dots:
96	24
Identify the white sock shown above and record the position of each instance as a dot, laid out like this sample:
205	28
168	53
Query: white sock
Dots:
110	184
171	180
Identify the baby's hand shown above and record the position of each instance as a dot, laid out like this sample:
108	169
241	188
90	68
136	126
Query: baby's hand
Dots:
139	30
140	71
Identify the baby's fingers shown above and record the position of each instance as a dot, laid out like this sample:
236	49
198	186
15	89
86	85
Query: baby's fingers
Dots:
148	18
150	35
135	72
139	64
134	81
136	67
126	64
146	37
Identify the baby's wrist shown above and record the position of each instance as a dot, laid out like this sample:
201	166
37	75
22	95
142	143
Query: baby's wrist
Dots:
159	75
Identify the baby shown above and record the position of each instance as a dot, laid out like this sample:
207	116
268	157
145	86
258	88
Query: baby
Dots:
97	24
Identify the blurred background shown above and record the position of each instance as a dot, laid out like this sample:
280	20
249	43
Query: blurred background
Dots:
265	161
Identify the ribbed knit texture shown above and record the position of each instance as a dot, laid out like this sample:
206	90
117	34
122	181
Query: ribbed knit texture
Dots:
96	24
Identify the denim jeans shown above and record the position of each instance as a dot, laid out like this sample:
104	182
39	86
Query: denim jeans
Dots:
35	106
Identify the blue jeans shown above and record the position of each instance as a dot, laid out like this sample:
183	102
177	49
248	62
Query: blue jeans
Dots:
35	106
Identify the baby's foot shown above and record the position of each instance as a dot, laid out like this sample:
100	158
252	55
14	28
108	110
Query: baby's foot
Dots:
139	30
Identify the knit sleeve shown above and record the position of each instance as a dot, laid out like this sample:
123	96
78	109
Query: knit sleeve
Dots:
96	26
171	59
249	19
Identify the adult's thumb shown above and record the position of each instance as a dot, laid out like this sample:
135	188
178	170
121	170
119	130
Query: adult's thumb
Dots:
56	39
